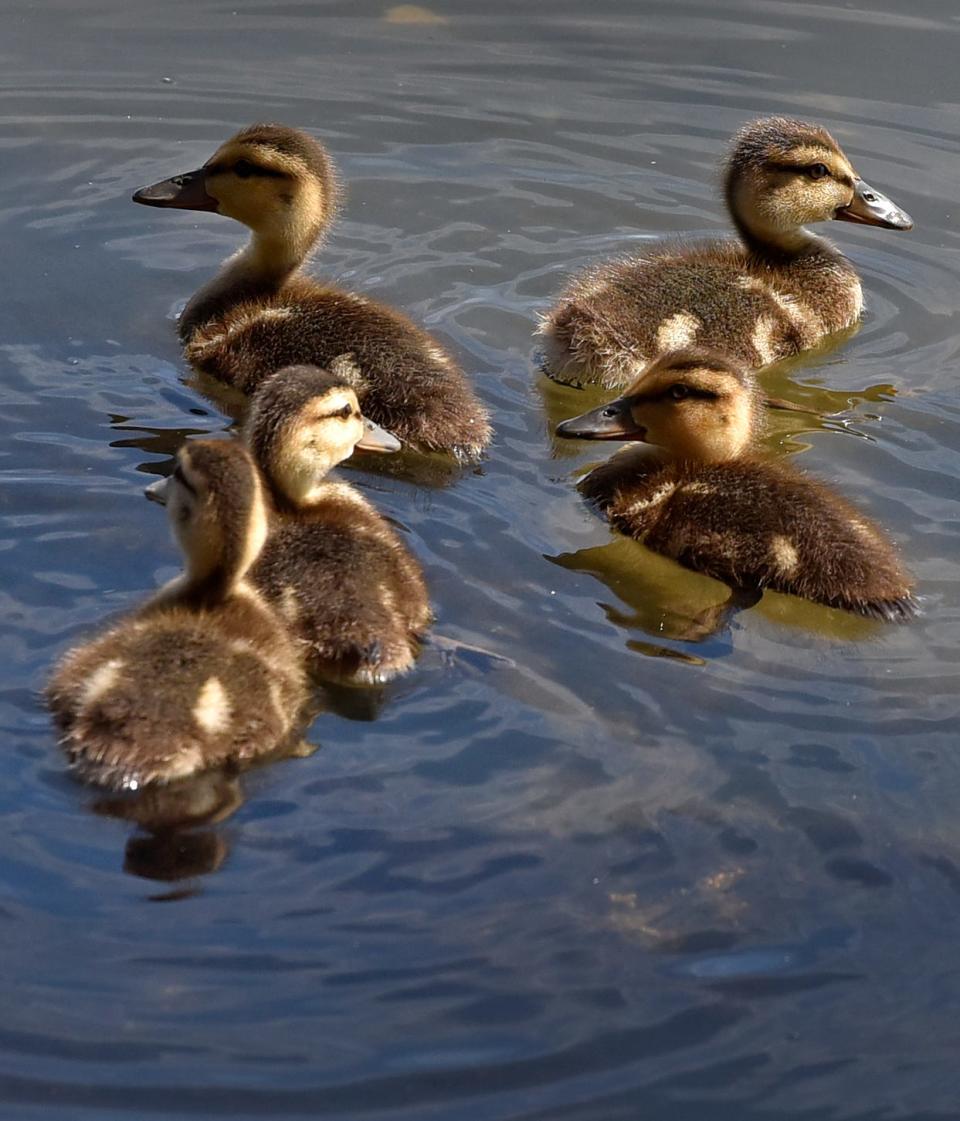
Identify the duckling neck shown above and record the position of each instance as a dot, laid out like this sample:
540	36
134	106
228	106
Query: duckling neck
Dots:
194	592
770	241
260	269
779	246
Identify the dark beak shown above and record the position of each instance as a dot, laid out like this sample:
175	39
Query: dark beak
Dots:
613	421
183	192
870	208
377	439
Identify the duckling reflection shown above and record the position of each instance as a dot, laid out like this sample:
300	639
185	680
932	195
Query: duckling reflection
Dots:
176	841
775	293
701	499
332	566
260	313
204	674
654	596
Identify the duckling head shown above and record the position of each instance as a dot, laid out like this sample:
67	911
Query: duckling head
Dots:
215	504
302	422
783	174
278	181
693	404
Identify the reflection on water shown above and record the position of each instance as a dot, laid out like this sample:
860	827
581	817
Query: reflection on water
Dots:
540	877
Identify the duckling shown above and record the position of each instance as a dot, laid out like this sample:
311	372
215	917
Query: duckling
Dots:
332	566
702	499
260	312
201	675
776	292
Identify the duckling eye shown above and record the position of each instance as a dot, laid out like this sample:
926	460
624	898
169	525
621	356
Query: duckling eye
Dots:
679	391
818	171
244	169
346	411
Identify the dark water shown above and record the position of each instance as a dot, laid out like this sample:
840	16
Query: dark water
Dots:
593	871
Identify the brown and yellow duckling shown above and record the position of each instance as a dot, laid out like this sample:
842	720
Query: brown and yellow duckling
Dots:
775	292
333	566
204	673
703	499
261	312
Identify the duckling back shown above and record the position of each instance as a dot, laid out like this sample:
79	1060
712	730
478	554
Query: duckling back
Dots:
408	383
756	525
174	691
616	318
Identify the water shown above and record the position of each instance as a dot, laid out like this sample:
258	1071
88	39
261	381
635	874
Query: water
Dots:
589	870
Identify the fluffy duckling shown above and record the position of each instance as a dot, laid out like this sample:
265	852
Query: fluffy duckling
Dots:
702	499
777	291
260	312
203	674
334	568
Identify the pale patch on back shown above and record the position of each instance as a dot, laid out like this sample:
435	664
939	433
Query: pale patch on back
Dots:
800	316
290	603
235	324
438	355
784	555
697	488
677	331
101	681
862	529
661	494
213	710
762	340
856	293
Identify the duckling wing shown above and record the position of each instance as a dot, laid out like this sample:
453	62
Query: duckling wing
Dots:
758	525
755	524
349	589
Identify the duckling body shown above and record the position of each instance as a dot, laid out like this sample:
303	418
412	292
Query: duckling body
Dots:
700	497
204	673
261	313
333	566
775	292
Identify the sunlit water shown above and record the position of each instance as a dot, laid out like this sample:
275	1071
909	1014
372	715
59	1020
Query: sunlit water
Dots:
576	867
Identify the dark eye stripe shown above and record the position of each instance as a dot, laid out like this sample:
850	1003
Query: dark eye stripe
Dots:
340	414
667	395
251	170
183	480
797	168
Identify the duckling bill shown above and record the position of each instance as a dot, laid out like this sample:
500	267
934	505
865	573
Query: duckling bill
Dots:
701	497
261	313
775	292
